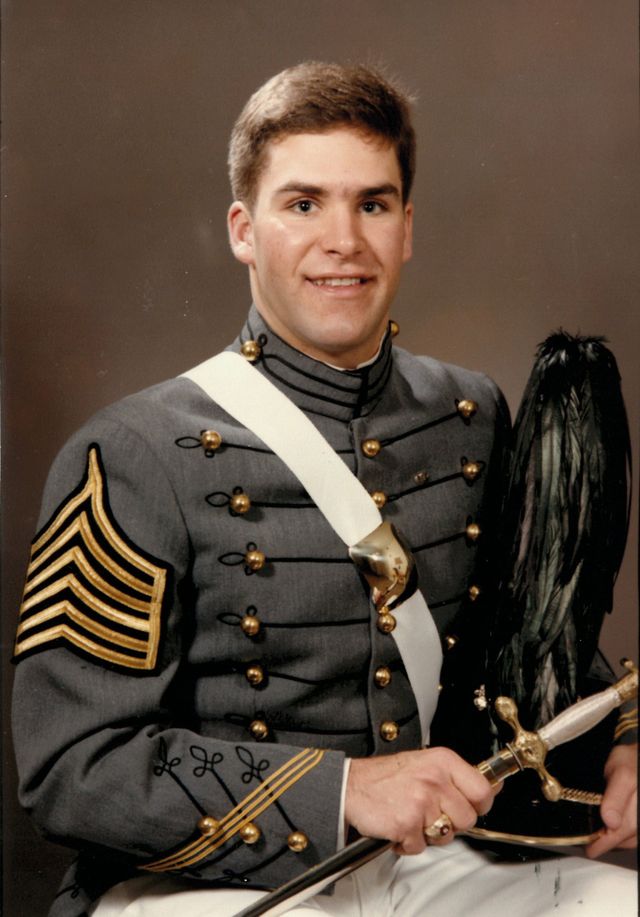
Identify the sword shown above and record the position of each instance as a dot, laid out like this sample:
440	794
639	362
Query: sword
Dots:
526	750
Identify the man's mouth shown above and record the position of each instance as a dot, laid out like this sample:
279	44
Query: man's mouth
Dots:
339	281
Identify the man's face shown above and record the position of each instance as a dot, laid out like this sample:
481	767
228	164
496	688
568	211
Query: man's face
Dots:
325	242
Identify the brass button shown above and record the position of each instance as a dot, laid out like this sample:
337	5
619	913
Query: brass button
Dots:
251	350
471	470
250	625
472	531
371	447
210	440
467	408
379	498
259	730
240	503
386	623
297	841
394	328
250	833
382	676
389	730
255	560
450	641
208	825
254	674
440	687
474	592
420	477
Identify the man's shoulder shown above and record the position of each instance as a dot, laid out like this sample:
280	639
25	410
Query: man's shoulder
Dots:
143	427
176	404
427	376
142	413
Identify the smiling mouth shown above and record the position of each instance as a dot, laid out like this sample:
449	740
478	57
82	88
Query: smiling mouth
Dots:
339	281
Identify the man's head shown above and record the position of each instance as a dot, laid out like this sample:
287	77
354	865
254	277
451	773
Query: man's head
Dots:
315	97
322	172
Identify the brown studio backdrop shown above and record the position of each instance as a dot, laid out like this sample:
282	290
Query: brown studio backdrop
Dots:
116	267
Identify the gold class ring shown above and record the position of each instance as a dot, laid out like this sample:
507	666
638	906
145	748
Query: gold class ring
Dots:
440	828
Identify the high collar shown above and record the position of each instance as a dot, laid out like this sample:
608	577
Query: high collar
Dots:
312	385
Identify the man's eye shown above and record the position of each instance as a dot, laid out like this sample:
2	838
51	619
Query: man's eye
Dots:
373	207
303	206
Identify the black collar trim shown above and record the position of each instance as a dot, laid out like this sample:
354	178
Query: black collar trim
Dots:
313	385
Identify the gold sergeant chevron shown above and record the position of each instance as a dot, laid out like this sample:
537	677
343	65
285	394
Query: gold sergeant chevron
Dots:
88	586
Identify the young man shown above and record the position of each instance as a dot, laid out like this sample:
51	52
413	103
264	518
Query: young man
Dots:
208	691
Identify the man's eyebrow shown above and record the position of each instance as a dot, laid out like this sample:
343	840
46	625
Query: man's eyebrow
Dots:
381	190
299	187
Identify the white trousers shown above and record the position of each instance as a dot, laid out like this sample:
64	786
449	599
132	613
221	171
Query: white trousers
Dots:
449	881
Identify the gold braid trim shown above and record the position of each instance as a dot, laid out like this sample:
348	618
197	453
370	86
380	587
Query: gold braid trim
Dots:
66	597
584	796
246	811
626	722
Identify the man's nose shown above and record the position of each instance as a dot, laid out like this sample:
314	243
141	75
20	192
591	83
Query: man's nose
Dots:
342	233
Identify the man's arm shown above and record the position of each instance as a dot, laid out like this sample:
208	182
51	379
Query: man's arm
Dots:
112	758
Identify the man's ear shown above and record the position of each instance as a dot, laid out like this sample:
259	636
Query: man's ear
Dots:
240	227
407	249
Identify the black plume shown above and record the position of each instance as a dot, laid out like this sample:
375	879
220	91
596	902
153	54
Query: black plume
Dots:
565	521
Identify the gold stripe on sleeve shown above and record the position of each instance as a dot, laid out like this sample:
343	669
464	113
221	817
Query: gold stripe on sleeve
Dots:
626	722
246	811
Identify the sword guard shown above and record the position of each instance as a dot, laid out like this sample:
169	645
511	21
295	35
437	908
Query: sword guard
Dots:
528	748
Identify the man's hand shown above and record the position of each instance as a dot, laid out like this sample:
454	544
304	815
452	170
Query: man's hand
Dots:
397	796
619	808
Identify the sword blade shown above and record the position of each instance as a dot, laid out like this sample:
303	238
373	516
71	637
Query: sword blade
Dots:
311	882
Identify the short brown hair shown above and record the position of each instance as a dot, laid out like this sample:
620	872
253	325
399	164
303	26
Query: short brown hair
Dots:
314	97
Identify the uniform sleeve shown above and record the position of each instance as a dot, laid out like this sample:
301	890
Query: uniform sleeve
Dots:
108	755
626	731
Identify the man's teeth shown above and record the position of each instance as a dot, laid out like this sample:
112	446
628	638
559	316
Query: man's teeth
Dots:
338	282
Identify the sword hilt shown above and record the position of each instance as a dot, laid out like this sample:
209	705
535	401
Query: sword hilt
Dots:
529	749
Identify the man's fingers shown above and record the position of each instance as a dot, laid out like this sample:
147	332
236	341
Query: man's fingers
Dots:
619	831
619	804
399	796
611	816
477	790
620	789
610	840
462	813
597	848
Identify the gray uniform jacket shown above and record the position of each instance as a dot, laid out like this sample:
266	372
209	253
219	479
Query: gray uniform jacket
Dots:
196	653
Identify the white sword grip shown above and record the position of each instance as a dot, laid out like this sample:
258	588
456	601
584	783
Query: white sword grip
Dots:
579	718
